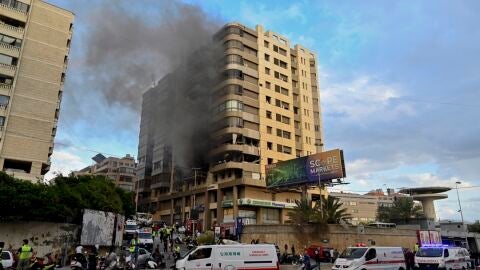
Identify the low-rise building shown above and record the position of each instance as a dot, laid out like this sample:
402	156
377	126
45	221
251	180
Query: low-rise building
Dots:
364	207
120	170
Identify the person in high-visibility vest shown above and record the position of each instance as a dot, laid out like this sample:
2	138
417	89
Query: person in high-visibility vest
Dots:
25	255
134	248
416	248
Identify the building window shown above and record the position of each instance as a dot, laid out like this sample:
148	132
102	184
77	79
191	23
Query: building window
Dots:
266	44
269	160
267	57
234	74
279	132
234	44
269	130
268	85
269	114
317	127
230	105
4	101
267	71
269	145
268	99
234	59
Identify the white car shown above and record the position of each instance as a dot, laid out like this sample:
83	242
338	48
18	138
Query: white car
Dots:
442	257
7	259
367	258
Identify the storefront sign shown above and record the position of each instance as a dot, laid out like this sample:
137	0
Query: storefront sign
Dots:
265	203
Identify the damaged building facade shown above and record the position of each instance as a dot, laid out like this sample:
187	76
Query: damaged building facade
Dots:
253	100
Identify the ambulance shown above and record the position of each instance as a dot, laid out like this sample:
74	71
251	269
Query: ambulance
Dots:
366	258
145	238
442	257
230	257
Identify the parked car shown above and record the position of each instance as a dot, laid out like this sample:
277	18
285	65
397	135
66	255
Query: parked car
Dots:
7	259
324	252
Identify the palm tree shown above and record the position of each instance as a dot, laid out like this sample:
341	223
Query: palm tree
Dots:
403	209
302	213
333	210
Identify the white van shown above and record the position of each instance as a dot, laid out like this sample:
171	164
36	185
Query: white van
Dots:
366	258
442	257
230	257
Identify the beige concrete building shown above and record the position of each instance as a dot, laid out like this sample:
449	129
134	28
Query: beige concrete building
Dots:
266	109
364	207
120	170
34	44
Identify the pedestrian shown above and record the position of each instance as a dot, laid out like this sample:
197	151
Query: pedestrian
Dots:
293	250
252	242
416	248
332	255
306	261
165	246
134	248
92	258
25	255
176	255
286	248
171	245
410	259
317	257
157	255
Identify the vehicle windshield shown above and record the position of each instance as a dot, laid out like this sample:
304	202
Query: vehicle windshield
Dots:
430	252
145	235
186	254
131	227
353	253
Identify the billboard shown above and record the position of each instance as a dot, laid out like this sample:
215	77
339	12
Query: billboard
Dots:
324	166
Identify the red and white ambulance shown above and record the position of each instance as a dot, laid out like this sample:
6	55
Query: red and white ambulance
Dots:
366	258
230	257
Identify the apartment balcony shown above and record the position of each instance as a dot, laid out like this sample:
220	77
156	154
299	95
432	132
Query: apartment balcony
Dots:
8	70
5	89
247	166
13	13
238	130
9	50
16	32
247	149
3	109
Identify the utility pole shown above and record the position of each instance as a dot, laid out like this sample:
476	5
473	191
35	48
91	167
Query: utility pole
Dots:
320	188
461	215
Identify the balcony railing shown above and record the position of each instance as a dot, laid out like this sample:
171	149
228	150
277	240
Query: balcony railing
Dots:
13	9
7	66
10	47
5	86
11	27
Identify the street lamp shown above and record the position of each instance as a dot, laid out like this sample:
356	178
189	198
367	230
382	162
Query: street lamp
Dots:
461	214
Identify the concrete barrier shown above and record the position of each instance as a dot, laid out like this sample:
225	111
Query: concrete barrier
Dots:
335	236
43	237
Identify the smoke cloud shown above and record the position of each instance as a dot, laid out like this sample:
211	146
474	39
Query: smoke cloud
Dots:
128	54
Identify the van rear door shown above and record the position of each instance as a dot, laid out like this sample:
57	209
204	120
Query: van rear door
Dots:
200	259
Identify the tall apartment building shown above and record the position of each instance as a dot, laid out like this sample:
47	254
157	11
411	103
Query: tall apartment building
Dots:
120	170
34	45
266	108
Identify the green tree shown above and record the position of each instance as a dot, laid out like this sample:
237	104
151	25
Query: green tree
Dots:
403	210
475	227
333	210
303	213
62	199
330	211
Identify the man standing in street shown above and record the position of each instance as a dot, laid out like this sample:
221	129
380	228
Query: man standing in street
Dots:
317	257
410	259
134	249
25	255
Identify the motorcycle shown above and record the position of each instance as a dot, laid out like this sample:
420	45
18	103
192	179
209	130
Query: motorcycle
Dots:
78	262
291	259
